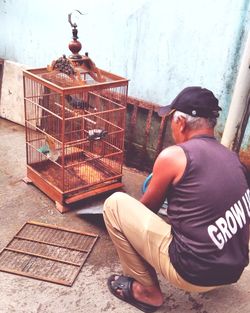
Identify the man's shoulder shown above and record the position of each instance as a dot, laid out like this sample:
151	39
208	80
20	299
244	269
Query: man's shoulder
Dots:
172	162
172	152
172	156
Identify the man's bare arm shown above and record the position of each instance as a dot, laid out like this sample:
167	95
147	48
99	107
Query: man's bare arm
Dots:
168	169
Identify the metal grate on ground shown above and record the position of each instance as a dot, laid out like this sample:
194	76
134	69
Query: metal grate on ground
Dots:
47	252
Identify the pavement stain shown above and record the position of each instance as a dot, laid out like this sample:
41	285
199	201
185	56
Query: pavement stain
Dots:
196	306
170	303
107	307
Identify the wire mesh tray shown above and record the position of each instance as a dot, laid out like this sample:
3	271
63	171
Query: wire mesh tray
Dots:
48	253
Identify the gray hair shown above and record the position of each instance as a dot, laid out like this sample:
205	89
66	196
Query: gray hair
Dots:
196	122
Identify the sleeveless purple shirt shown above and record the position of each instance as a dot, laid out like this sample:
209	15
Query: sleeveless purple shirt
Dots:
209	210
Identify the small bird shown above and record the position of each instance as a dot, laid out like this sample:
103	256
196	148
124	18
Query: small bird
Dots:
49	149
77	103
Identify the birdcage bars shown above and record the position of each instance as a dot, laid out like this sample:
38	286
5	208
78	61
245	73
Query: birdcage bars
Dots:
74	134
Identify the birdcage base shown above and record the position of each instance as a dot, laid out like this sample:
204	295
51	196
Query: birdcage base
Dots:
64	200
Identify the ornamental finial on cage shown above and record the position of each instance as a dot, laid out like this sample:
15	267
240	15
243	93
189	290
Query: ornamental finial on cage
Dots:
74	46
76	67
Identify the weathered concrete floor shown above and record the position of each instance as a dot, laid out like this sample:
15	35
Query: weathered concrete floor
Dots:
20	203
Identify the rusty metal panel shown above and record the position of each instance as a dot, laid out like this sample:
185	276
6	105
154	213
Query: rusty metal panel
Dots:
47	253
146	134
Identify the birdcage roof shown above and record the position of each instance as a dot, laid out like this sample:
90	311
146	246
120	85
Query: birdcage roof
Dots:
60	81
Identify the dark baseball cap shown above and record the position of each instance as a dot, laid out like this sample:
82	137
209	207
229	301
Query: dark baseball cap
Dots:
195	101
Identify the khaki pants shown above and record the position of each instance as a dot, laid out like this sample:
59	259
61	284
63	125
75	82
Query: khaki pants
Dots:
142	239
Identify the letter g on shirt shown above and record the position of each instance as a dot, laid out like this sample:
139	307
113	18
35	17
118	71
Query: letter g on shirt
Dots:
216	236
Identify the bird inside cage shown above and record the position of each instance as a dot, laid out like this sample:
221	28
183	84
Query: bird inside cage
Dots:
77	103
49	149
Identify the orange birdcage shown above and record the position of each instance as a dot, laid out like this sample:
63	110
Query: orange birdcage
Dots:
75	122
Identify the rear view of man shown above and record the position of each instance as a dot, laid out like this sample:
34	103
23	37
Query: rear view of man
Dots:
206	244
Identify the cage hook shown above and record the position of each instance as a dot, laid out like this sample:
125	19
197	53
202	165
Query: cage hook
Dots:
74	25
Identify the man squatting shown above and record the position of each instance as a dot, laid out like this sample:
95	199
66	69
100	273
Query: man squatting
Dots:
205	244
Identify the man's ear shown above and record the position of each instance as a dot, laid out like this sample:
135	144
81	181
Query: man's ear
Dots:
183	125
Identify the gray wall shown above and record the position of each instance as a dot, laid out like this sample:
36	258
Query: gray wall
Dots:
162	46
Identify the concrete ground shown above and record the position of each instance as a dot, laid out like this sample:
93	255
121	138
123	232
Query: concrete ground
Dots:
20	203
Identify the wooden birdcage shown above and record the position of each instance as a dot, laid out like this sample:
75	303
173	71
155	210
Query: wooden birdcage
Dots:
74	131
75	122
